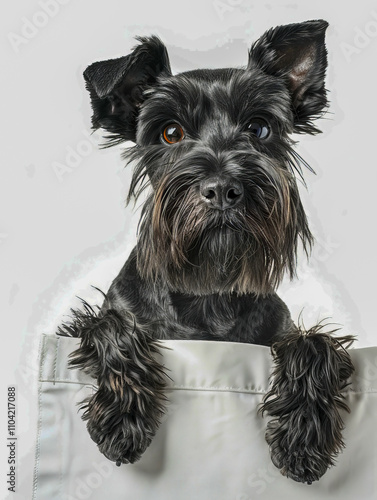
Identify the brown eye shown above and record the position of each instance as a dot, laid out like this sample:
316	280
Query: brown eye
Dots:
173	133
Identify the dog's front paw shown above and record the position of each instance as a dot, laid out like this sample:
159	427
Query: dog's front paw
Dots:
123	428
305	435
122	436
124	413
295	448
121	443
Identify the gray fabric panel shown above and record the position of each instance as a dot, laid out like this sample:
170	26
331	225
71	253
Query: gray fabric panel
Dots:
211	442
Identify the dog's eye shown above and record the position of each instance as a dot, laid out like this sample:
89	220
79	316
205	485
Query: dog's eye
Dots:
259	128
173	133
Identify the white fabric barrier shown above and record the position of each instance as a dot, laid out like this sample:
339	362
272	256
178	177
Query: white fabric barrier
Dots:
211	442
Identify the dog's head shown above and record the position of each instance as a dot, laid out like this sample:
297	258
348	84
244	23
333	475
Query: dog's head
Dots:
224	212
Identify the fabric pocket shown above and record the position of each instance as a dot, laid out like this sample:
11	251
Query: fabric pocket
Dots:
211	442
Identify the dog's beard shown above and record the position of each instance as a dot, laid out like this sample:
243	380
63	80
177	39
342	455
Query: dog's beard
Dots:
198	250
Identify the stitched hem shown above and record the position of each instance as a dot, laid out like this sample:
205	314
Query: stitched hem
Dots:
41	356
208	388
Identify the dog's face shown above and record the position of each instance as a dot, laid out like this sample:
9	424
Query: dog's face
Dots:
223	213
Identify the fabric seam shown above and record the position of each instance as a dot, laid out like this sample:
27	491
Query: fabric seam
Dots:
42	353
207	389
56	358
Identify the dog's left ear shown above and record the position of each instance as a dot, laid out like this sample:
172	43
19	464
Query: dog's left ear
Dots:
116	87
297	54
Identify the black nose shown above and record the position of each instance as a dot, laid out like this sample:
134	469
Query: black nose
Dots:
221	193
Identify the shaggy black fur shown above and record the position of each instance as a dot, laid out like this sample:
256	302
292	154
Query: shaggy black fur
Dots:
311	371
120	354
219	228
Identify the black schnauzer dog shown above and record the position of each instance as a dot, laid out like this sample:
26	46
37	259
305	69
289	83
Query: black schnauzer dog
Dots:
220	226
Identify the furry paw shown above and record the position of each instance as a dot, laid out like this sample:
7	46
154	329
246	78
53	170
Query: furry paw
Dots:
311	370
296	454
123	428
124	413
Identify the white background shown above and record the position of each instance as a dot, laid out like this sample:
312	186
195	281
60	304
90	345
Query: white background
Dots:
61	234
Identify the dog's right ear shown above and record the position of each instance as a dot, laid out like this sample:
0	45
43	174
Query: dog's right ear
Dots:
116	87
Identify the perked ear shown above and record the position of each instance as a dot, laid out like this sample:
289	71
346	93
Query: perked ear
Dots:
116	87
297	54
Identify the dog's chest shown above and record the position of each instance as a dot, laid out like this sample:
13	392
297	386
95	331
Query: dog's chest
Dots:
213	315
